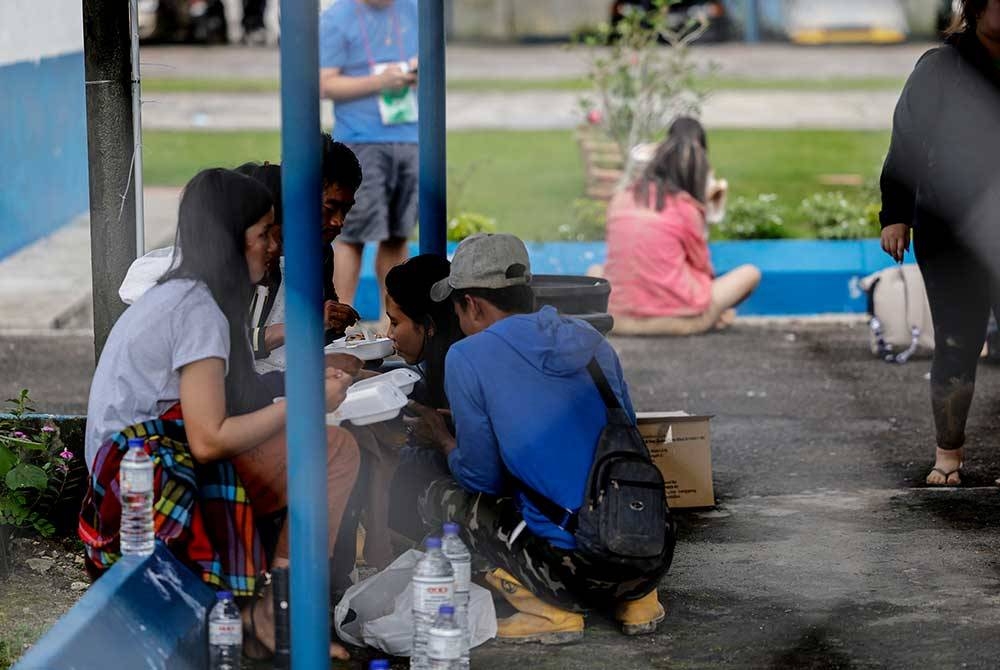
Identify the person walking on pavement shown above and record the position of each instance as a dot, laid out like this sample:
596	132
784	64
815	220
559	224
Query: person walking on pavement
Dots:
940	182
368	63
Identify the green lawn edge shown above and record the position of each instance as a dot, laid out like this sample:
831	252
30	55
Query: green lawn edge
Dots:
529	180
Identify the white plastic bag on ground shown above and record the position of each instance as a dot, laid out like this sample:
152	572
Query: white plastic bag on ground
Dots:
143	274
383	604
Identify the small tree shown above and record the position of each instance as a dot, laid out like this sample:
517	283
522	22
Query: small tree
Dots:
639	84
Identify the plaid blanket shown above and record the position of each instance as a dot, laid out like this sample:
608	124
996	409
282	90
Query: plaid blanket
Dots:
201	511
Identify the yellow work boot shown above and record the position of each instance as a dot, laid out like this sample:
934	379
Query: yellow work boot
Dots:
639	617
536	620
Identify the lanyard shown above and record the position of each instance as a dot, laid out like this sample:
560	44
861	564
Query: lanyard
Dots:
364	34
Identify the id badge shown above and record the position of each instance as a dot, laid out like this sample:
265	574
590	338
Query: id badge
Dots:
398	106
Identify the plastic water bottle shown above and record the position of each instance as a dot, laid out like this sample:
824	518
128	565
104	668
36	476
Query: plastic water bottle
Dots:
379	664
136	487
225	633
433	586
461	562
444	641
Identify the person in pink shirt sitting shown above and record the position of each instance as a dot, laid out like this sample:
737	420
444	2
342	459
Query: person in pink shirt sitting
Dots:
662	280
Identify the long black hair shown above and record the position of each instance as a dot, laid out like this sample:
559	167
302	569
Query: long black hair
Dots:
217	206
967	18
690	127
409	286
269	175
680	164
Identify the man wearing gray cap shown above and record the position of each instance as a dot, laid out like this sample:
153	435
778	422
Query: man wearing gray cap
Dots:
528	416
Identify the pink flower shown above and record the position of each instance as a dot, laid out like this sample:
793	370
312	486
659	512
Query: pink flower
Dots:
48	429
594	117
66	454
19	435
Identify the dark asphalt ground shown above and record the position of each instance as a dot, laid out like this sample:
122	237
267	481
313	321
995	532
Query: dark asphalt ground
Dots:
825	550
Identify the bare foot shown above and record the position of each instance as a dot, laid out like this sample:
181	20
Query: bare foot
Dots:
258	626
727	319
947	463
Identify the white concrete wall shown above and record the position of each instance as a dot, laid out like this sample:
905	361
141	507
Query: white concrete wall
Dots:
31	30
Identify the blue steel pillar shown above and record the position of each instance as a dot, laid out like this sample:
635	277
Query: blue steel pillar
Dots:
431	97
303	282
752	24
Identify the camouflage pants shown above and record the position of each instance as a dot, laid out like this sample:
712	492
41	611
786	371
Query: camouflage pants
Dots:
560	577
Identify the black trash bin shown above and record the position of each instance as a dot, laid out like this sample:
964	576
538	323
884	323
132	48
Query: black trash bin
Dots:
574	295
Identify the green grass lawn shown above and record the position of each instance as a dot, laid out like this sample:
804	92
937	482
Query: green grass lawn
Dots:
529	180
170	85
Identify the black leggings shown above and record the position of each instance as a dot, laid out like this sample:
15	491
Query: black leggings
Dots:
961	293
253	14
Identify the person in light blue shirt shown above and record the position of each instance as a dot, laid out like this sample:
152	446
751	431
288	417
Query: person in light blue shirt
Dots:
528	416
368	61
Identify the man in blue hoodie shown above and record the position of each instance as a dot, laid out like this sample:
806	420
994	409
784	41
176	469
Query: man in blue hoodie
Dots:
527	413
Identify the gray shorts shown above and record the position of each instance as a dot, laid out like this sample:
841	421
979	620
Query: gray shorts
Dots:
386	203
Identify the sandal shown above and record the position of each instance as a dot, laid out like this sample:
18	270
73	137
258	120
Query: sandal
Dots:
946	475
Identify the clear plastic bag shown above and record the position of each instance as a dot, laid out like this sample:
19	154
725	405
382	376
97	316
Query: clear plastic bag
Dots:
378	611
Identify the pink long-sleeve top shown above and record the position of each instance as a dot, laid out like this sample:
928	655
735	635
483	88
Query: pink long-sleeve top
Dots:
658	262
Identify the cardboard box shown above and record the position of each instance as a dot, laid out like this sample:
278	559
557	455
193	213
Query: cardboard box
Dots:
681	448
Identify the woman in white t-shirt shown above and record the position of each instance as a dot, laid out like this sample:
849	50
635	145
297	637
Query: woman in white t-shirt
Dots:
177	370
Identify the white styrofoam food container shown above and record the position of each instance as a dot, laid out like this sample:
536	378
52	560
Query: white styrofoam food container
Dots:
366	350
371	404
402	378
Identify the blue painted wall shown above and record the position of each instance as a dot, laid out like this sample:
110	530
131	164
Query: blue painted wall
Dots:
43	148
801	277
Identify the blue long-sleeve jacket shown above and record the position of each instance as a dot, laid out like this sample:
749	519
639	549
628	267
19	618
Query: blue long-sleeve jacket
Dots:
523	402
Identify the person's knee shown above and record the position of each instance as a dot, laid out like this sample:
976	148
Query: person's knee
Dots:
955	359
343	455
752	274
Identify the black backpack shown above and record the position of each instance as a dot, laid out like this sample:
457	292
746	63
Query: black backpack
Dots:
624	518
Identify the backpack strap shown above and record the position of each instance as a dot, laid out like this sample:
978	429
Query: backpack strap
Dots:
607	395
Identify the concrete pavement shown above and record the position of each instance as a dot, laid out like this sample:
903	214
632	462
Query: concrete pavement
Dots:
825	550
539	110
470	61
47	285
533	110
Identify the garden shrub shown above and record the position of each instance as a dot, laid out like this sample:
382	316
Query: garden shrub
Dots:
835	217
752	219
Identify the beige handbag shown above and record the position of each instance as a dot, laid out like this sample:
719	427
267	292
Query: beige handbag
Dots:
901	325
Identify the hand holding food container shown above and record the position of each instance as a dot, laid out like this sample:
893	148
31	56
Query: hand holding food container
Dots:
363	345
375	399
339	317
336	383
